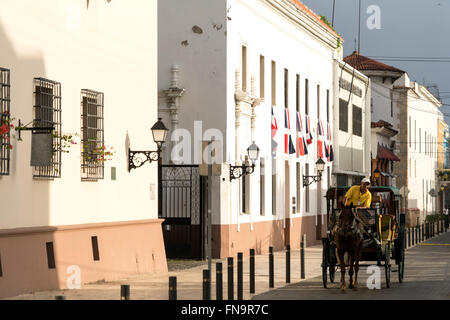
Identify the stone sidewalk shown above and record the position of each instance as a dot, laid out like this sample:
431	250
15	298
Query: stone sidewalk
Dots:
189	281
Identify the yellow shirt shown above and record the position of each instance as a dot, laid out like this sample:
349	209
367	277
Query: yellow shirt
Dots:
354	195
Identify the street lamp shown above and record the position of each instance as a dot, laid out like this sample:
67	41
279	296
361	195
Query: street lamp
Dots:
376	175
137	158
320	166
238	171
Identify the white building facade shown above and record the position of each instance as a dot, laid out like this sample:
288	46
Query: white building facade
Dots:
351	126
234	62
70	65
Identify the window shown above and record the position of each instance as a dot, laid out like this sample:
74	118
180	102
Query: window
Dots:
409	132
415	134
299	184
341	180
5	117
306	96
50	255
244	68
47	113
262	189
307	189
357	121
286	88
318	101
261	76
297	93
274	84
274	187
420	140
343	115
92	139
328	105
392	105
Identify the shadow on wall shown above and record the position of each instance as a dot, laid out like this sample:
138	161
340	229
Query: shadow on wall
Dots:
27	259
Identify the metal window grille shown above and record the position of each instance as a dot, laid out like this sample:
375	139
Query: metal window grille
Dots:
47	113
4	117
92	135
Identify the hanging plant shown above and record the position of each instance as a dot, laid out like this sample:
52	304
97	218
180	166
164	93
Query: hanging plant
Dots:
97	154
5	127
64	141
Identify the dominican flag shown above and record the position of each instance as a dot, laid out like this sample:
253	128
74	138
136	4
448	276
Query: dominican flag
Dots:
301	143
329	145
274	127
309	137
288	144
322	150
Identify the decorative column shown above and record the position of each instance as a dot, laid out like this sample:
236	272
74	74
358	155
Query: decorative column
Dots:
174	94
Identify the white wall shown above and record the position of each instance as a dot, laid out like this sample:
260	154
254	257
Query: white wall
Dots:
268	33
352	152
110	47
421	176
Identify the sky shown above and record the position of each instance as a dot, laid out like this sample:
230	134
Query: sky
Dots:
408	28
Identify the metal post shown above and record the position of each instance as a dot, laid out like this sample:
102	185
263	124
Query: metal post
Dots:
172	288
271	280
60	297
412	237
219	281
159	183
206	285
409	237
125	292
230	279
302	258
240	279
252	270
209	218
288	264
423	232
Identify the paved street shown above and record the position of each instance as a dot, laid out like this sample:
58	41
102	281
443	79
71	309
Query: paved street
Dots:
427	276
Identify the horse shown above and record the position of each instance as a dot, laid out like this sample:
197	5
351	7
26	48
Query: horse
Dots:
348	237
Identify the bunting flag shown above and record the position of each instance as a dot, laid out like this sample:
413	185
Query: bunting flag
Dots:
329	145
309	137
288	144
274	128
301	143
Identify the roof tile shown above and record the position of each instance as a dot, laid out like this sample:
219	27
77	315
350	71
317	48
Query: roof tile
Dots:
360	62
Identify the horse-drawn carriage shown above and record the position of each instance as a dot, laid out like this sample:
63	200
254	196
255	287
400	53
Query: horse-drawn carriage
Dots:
383	232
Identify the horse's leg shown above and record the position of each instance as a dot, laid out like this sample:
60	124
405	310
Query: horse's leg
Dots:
350	271
342	263
358	257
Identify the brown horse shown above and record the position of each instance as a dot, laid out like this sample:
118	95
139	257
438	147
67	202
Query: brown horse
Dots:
348	238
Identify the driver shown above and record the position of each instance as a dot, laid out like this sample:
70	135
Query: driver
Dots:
359	196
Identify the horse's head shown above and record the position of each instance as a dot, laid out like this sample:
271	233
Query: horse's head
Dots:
346	219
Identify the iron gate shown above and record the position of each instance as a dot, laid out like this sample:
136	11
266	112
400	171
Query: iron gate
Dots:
182	211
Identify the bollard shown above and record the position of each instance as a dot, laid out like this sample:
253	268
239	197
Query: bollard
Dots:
125	292
409	237
417	235
230	279
288	264
240	279
302	257
271	280
60	297
412	237
428	230
423	232
172	288
252	270
219	281
206	285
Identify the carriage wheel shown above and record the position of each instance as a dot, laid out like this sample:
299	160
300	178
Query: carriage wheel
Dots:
387	264
331	270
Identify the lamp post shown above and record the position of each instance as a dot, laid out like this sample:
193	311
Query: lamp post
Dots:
238	171
137	158
320	166
376	175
